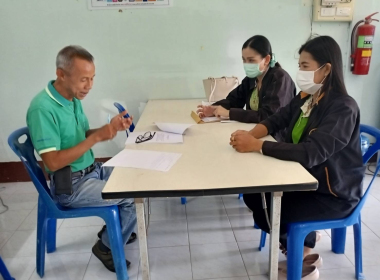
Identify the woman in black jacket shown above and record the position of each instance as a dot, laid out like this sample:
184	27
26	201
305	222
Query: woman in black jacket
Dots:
323	135
263	92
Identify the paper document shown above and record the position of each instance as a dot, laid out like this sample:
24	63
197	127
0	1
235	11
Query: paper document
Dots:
228	121
211	119
159	137
198	120
151	160
177	128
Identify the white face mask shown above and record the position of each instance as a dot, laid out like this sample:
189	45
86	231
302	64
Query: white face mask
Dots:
305	81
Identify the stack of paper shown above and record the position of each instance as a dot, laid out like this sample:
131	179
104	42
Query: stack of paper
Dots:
198	120
151	160
211	119
177	128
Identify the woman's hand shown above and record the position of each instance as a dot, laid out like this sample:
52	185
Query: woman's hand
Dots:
205	111
243	142
221	112
240	132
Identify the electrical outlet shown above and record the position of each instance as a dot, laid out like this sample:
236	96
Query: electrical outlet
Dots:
328	12
343	11
329	2
333	10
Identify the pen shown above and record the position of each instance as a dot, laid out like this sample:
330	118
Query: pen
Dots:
121	109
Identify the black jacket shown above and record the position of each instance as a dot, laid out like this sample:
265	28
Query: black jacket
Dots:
277	91
329	147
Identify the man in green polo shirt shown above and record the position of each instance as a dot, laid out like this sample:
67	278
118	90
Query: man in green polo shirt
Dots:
61	135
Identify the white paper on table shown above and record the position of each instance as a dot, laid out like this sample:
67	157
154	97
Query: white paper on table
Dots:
215	119
227	121
159	137
142	159
211	119
177	128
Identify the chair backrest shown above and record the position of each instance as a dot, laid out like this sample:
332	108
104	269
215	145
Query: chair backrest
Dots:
25	151
372	150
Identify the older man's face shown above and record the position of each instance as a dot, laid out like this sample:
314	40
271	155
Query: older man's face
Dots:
79	78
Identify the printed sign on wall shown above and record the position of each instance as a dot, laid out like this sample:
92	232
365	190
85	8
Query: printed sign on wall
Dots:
126	4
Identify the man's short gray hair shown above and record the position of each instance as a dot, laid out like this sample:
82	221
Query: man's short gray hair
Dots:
66	56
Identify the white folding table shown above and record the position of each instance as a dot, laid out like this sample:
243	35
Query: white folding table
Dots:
208	166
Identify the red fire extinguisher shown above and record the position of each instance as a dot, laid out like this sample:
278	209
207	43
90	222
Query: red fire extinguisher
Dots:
361	45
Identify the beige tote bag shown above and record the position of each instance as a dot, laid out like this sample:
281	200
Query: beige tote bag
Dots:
218	88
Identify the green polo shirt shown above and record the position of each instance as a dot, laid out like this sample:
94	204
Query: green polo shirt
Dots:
56	123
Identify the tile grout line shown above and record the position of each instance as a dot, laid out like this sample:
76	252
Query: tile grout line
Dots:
30	211
237	244
25	220
369	229
188	239
34	271
7	240
228	217
84	274
17	228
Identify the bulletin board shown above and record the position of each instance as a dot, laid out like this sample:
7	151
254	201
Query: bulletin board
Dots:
127	4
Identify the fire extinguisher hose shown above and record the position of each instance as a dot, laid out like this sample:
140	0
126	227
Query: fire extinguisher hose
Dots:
353	37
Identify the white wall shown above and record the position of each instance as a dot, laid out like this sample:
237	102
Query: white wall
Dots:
151	53
366	89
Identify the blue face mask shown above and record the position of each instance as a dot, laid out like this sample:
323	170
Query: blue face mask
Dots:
252	70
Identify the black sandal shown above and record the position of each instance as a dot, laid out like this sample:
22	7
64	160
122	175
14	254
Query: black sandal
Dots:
131	239
283	250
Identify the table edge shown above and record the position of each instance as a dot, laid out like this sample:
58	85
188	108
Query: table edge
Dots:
206	192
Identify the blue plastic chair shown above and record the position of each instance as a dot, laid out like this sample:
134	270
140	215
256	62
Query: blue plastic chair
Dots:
4	271
336	234
336	246
49	211
298	231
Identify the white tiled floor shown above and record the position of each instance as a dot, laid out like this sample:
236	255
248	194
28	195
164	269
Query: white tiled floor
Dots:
210	238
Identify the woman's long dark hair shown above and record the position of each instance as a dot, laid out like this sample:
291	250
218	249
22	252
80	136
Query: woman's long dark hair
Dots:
261	45
325	49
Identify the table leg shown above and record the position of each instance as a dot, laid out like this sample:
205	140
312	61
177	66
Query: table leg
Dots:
139	202
275	235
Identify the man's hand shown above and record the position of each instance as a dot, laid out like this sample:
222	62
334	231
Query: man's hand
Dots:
56	160
120	123
243	142
106	132
221	112
206	111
